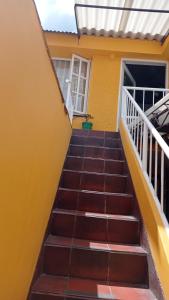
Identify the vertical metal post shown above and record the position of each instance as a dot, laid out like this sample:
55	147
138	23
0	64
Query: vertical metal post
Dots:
145	146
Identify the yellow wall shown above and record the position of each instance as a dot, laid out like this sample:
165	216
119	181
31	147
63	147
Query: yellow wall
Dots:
105	55
158	234
34	136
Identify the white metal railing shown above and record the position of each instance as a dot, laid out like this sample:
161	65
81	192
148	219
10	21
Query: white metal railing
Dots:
151	149
146	97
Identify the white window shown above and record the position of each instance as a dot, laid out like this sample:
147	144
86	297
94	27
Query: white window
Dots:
73	77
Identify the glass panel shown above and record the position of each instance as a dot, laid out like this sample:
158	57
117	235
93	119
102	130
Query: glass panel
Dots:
84	69
82	86
76	66
62	68
74	99
80	103
74	83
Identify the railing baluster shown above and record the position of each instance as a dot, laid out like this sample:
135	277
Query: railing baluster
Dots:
143	99
145	146
162	180
156	166
153	96
150	157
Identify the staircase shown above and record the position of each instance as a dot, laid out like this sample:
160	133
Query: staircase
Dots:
93	247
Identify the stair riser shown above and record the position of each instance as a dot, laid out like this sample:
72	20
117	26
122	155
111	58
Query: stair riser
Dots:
98	265
94	202
95	165
94	182
95	152
96	141
97	229
47	297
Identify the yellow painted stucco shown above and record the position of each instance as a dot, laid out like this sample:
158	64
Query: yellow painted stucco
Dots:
158	234
34	136
106	55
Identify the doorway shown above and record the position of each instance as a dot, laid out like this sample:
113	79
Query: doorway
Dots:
143	74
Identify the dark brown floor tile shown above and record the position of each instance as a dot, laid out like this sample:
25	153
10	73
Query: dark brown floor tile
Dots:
70	180
73	163
89	264
56	260
41	296
128	268
52	284
123	231
93	165
93	141
116	204
95	133
92	182
90	228
91	202
94	152
80	132
78	140
89	288
114	167
62	224
76	150
112	143
113	154
66	199
109	134
115	184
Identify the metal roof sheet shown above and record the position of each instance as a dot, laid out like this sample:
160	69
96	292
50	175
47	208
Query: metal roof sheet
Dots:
142	19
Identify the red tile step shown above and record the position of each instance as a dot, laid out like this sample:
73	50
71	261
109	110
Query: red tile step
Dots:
92	181
96	152
96	141
50	287
111	203
95	226
95	165
95	133
94	260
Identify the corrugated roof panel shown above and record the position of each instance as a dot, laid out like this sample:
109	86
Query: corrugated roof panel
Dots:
120	23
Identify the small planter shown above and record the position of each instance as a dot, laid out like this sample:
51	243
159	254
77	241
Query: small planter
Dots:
86	124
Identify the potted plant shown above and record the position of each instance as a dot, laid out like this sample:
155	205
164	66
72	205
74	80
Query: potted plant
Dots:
86	124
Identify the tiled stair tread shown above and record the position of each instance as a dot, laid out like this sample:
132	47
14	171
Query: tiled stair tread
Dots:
94	146
96	173
53	240
98	192
97	158
95	215
87	289
94	133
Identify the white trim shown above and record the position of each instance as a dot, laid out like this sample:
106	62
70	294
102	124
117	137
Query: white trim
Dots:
60	58
141	62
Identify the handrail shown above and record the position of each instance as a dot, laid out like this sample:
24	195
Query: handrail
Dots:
151	149
155	133
146	88
146	97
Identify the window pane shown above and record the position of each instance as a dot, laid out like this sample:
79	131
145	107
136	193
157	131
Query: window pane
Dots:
84	69
82	86
76	66
74	83
74	99
62	68
80	103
